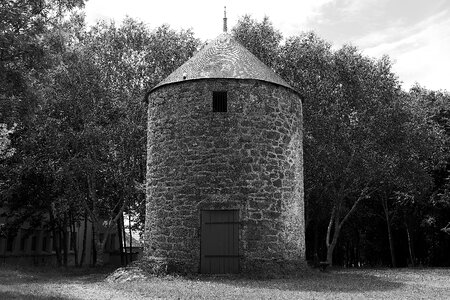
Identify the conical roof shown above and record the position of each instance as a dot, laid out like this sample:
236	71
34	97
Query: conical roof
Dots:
224	57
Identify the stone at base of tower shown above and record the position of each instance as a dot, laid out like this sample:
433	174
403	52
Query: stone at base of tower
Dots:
261	268
273	267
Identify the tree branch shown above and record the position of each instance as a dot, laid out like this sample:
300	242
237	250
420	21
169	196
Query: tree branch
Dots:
363	195
330	224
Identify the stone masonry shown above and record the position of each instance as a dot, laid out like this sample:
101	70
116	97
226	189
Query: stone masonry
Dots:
248	158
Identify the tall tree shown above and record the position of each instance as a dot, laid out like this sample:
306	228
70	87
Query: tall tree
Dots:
346	107
261	38
25	56
131	59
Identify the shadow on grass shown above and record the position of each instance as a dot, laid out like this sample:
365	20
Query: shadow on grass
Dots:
314	282
19	295
12	275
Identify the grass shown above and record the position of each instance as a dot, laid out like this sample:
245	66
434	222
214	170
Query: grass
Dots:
47	283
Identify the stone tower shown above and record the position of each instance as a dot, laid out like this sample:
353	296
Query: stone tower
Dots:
225	166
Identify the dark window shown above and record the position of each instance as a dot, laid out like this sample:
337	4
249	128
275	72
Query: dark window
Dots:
63	241
219	101
54	243
23	243
33	243
101	236
73	239
112	240
10	243
44	243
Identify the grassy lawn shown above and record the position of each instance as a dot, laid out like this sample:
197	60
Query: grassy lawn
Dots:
46	283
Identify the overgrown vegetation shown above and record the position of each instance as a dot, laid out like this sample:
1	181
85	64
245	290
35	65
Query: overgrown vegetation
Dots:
73	133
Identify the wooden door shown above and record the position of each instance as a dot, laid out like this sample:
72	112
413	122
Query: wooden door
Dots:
219	241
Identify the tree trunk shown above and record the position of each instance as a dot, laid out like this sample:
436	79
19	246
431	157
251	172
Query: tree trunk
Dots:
330	250
64	247
332	245
83	250
100	247
100	243
100	253
410	244
388	224
96	221
361	243
316	242
335	220
56	246
94	246
56	238
119	234
73	239
131	237
64	241
124	239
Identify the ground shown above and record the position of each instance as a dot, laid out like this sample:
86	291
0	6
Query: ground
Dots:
46	283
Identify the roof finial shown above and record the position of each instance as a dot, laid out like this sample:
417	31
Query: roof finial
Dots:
225	19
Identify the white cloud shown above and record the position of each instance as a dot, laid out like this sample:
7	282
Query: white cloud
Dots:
420	52
356	7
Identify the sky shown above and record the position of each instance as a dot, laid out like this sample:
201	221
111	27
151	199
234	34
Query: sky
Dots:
415	34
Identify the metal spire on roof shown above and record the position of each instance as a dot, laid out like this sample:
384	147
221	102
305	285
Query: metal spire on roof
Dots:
225	19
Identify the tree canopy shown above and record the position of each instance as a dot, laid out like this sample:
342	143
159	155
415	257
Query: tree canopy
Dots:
73	132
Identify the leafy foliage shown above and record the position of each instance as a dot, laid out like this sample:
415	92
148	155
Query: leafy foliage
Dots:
71	109
261	38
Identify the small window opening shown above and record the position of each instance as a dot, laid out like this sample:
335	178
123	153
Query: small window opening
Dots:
219	101
112	239
10	244
23	243
33	243
73	239
44	244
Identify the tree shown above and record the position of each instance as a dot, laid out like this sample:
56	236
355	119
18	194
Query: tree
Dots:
5	142
81	146
71	108
261	38
25	56
430	128
446	229
131	59
305	61
346	111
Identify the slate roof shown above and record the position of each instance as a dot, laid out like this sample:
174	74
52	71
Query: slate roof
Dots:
224	57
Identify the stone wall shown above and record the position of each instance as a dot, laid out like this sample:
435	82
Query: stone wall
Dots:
248	158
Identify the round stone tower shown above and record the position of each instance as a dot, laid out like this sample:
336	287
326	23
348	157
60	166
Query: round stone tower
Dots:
225	166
